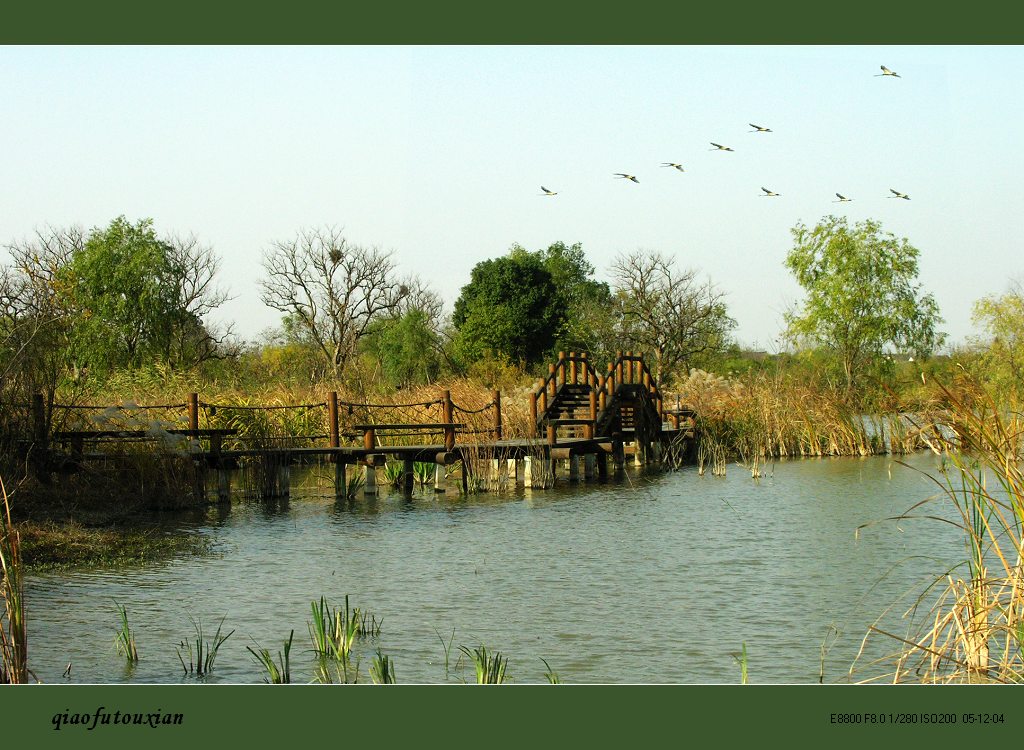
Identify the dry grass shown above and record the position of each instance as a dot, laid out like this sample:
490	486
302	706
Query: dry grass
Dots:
974	630
13	629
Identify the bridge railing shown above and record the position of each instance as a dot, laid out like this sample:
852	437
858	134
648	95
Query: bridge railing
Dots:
571	369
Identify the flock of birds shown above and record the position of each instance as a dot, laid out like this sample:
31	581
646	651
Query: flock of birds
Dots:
756	129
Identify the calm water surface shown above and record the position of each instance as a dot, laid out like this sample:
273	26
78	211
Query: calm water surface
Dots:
657	578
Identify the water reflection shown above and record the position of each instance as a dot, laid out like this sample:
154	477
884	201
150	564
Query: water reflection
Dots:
654	577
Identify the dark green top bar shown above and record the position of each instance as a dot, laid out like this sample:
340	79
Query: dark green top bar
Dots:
521	22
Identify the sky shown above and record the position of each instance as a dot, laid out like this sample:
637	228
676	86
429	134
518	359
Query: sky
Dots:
438	155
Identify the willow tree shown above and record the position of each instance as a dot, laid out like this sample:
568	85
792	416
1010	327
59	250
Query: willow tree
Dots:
862	294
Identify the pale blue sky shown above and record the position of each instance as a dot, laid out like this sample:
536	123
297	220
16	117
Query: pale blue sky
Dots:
438	154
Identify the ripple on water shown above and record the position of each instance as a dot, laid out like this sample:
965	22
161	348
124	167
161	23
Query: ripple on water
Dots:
661	579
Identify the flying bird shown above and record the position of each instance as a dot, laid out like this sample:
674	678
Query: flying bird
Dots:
718	147
898	194
842	199
671	164
758	128
886	72
769	193
628	177
548	192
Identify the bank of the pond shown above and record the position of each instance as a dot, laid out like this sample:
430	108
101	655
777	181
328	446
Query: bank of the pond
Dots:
67	545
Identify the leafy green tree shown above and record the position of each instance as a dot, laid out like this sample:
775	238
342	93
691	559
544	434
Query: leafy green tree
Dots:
141	298
587	303
406	348
862	295
1001	349
510	308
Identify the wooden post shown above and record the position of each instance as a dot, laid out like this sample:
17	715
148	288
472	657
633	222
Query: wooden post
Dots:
40	437
551	434
332	418
586	369
561	366
593	415
193	411
552	382
407	477
340	480
223	485
533	413
573	369
369	439
496	400
629	367
618	369
446	413
601	380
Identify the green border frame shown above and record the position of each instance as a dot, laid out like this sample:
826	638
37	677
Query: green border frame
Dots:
510	715
521	22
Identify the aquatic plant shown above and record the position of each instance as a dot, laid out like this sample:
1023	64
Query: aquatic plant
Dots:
279	672
202	658
973	631
124	641
382	670
490	666
741	659
447	646
334	631
550	675
13	629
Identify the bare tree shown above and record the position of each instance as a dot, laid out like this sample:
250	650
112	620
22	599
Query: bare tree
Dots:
195	339
668	311
334	290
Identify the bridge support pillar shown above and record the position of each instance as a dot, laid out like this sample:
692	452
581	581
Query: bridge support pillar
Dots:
223	485
340	480
602	465
574	468
638	453
618	457
589	464
440	478
408	477
369	480
512	467
284	478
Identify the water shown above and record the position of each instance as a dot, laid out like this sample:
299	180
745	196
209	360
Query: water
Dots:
657	578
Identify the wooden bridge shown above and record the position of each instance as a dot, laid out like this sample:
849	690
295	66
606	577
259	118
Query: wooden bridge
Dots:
579	419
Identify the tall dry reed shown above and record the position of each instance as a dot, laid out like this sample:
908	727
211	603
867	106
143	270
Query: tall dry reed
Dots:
13	630
973	631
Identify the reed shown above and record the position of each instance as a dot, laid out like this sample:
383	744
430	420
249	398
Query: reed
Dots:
447	646
973	630
124	641
741	659
490	666
333	631
13	629
202	658
279	672
382	670
550	675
